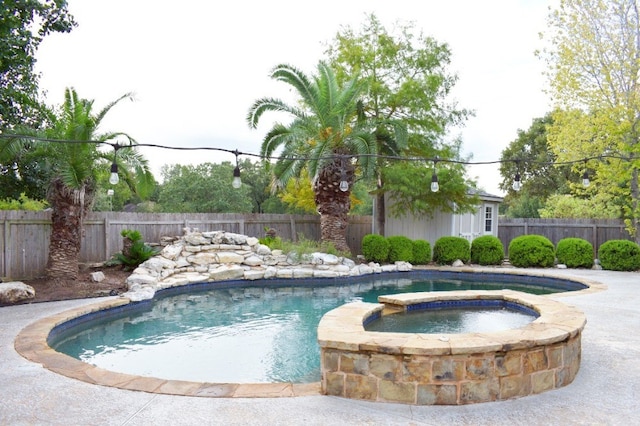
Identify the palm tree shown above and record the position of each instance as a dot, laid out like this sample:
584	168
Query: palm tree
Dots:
324	137
69	151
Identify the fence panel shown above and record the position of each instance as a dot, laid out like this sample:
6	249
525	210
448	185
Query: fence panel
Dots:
596	231
24	235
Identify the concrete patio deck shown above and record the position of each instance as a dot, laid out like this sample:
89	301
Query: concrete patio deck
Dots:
606	390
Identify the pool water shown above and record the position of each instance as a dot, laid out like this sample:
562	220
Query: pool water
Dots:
237	334
452	320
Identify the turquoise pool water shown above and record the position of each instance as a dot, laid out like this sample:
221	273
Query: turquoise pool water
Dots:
244	332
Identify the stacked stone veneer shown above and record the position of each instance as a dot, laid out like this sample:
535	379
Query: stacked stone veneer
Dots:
451	369
198	257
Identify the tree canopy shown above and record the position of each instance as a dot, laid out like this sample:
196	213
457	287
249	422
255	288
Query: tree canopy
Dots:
23	26
593	70
409	107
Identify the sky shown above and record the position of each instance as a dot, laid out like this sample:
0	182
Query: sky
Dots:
196	66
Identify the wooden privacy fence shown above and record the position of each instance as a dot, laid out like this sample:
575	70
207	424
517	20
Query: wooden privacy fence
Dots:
24	235
596	231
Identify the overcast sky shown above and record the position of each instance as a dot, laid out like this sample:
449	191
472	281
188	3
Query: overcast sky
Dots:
196	66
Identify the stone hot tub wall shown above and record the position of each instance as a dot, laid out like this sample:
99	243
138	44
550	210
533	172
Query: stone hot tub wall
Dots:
449	369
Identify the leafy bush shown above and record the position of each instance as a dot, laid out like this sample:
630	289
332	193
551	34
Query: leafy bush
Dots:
447	250
375	248
575	253
487	250
619	255
421	252
400	249
134	250
530	251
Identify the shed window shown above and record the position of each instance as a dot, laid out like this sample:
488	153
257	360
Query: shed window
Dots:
488	219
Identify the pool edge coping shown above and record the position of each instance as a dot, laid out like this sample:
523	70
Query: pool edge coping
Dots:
31	344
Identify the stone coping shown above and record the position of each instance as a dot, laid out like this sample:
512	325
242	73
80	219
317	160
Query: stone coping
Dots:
32	344
343	329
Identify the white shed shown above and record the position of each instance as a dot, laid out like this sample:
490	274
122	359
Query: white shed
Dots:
484	221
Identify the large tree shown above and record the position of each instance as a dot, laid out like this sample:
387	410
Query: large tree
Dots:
530	157
408	104
23	26
203	188
324	137
69	151
594	72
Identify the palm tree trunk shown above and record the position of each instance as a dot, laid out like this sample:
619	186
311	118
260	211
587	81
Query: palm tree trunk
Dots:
69	210
334	204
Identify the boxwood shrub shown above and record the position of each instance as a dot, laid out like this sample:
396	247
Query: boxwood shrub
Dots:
530	251
447	250
400	249
375	248
421	252
619	255
575	253
487	250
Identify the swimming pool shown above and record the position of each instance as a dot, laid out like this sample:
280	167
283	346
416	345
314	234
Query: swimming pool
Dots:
235	331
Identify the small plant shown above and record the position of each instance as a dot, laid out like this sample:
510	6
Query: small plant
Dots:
575	253
619	255
447	250
400	249
487	250
134	250
530	251
421	252
375	248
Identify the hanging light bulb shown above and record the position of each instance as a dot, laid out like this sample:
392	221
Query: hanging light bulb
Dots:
435	186
237	182
585	179
344	184
516	183
113	178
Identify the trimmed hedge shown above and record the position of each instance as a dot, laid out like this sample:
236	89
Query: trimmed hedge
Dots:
619	255
447	250
575	253
530	251
400	249
375	248
421	252
487	250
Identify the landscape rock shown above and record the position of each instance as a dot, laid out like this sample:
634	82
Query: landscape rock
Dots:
15	291
219	255
457	263
97	277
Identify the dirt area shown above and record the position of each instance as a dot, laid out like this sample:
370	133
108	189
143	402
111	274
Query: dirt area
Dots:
113	284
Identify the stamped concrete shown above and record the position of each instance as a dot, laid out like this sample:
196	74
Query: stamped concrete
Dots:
606	390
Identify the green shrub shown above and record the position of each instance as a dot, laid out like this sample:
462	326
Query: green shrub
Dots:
447	250
375	248
575	253
421	252
530	251
487	250
619	255
400	249
134	250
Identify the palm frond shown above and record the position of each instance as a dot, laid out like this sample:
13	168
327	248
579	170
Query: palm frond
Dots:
263	105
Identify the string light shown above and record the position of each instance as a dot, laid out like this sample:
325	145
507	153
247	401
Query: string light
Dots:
113	177
237	182
585	176
344	184
517	184
435	186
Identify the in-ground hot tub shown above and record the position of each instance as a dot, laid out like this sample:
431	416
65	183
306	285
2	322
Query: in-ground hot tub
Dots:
449	369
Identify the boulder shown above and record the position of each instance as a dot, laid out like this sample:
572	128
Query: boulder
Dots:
97	277
15	291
